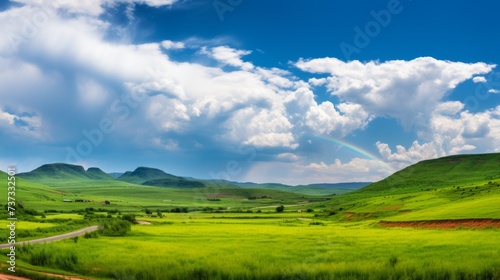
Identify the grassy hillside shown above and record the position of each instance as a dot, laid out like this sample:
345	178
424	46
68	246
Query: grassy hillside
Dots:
456	187
442	172
61	174
98	174
30	193
56	171
229	232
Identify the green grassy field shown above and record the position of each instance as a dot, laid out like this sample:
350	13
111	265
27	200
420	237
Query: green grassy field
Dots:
236	233
280	246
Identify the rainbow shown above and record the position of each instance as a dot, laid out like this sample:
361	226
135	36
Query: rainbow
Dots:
356	149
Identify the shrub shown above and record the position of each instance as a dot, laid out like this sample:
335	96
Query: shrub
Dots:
280	208
130	218
115	228
92	234
31	212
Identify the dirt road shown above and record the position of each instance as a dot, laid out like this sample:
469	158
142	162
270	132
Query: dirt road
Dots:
54	238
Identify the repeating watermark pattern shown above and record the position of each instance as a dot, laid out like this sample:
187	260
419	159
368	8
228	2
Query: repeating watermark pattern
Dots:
32	25
233	167
223	6
11	209
483	91
3	63
364	36
232	170
121	109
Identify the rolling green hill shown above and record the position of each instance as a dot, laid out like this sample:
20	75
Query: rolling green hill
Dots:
442	172
66	172
97	174
30	193
56	171
67	175
454	187
145	174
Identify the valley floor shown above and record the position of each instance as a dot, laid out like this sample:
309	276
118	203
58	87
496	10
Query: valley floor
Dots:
275	246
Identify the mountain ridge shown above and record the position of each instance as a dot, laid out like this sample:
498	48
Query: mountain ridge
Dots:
64	171
144	174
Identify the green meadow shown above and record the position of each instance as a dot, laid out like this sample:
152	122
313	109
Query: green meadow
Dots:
282	246
222	231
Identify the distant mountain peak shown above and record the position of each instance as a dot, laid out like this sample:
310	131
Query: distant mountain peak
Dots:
64	171
143	174
98	174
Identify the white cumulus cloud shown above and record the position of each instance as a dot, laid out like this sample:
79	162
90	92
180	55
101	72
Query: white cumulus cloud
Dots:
171	45
406	90
479	79
229	56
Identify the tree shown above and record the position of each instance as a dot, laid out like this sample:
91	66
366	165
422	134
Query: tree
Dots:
148	212
159	213
280	208
130	218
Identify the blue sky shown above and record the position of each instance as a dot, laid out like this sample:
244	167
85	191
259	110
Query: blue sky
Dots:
265	91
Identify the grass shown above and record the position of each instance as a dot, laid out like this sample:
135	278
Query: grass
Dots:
235	233
204	247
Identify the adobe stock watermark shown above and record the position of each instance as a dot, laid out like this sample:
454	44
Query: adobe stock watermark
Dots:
483	91
223	6
32	25
11	210
3	63
363	36
233	167
231	170
121	109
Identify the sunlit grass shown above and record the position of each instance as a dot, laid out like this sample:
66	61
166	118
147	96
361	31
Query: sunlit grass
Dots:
268	248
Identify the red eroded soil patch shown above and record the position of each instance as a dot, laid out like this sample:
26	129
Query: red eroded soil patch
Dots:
11	277
446	224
